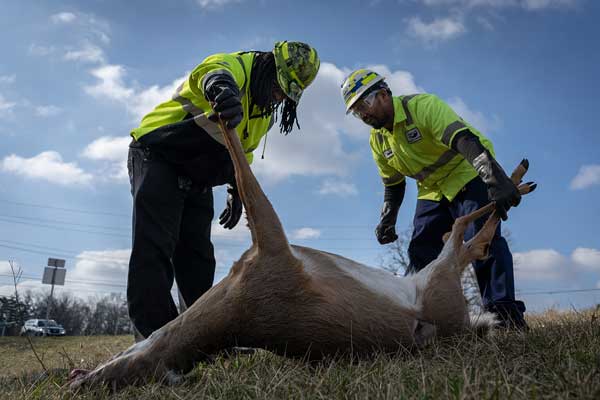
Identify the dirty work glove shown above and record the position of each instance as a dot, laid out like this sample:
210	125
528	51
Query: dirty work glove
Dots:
233	209
501	189
224	95
392	200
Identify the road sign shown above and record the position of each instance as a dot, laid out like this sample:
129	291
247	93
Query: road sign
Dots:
56	262
54	276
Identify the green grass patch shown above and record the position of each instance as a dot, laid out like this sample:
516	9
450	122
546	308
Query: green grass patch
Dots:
558	358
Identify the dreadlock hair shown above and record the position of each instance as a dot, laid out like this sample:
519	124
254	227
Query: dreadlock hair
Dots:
263	79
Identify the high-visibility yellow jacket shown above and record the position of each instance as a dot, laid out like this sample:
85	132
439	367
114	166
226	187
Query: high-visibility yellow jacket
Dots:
419	147
189	99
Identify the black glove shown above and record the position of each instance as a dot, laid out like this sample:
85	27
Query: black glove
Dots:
233	209
392	200
224	95
501	188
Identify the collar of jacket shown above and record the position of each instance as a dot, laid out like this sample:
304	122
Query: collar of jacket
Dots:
399	116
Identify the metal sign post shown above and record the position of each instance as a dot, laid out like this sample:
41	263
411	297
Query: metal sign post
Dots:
54	274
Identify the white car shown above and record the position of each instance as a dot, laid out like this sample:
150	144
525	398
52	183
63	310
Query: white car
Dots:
39	327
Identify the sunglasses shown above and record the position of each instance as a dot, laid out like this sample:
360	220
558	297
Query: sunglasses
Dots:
364	104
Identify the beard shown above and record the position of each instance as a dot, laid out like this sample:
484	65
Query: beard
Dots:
376	123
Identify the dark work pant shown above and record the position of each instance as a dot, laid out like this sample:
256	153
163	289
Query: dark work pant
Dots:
171	239
494	275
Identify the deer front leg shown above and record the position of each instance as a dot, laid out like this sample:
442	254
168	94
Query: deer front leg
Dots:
205	328
441	296
477	247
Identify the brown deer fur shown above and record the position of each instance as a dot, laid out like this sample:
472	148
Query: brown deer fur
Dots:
302	302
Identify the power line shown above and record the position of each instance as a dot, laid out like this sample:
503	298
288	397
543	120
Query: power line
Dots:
14	220
64	229
63	209
558	291
129	215
54	221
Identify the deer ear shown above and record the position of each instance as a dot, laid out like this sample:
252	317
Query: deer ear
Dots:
446	236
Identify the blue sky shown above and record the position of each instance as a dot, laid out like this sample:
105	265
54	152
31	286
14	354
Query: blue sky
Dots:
75	77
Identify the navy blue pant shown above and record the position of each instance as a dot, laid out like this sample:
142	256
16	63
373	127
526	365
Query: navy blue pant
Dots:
494	275
171	240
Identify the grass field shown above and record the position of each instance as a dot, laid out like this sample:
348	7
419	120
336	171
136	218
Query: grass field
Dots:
558	358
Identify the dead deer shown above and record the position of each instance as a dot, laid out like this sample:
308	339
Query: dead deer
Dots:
301	302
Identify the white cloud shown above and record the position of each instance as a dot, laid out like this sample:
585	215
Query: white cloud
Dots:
108	148
146	99
305	233
526	4
588	175
215	4
63	18
587	259
88	53
338	188
95	272
5	268
439	29
100	272
400	82
111	85
112	151
239	233
87	25
8	79
541	4
47	111
475	118
543	264
101	265
549	264
40	50
6	106
47	166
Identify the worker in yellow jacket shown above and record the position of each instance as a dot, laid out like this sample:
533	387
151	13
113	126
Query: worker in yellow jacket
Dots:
421	137
178	154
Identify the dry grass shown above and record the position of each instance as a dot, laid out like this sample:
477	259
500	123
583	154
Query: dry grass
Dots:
559	358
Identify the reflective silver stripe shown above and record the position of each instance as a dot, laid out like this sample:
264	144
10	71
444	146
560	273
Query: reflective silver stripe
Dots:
450	129
186	103
379	138
405	100
199	116
210	127
243	89
443	160
397	178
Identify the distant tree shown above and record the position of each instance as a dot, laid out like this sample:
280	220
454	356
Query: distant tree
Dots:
109	317
396	258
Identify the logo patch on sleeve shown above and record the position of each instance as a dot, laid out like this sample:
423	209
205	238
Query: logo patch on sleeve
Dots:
413	135
388	153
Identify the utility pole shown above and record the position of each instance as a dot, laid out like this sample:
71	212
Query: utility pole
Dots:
54	274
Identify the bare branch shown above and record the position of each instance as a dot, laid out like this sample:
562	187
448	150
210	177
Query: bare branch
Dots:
16	278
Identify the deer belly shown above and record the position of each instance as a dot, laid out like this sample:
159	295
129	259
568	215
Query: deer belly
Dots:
332	269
